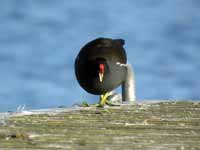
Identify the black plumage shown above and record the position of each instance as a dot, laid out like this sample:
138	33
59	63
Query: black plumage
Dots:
95	54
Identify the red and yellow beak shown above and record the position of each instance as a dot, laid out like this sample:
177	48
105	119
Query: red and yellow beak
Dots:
101	72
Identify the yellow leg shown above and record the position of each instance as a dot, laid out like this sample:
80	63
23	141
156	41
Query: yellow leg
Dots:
103	99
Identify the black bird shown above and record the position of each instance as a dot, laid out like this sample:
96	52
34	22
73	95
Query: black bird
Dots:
97	66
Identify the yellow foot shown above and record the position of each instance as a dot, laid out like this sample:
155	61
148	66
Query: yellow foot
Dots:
104	99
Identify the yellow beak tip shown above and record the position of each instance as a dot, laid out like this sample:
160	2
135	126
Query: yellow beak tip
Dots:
100	77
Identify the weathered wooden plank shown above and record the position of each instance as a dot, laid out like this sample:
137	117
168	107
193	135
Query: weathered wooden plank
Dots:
146	126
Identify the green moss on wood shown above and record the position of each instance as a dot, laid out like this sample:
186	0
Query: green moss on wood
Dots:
162	125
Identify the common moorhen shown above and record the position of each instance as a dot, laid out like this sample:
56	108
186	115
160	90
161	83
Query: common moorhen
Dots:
97	66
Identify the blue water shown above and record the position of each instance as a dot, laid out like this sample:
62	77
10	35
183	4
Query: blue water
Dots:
39	40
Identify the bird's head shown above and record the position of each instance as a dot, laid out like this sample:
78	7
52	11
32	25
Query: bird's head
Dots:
97	69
